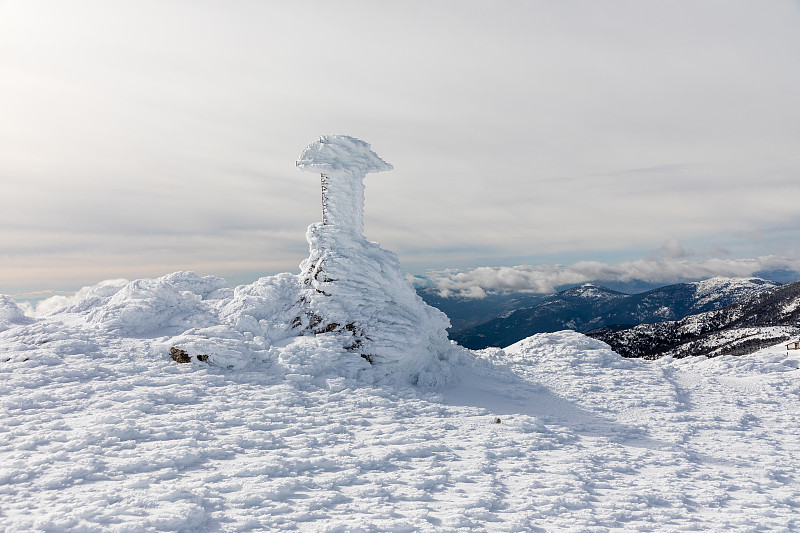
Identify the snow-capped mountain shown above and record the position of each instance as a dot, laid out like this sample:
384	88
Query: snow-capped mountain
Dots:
764	319
590	306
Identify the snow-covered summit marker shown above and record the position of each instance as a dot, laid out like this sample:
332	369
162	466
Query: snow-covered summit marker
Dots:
343	162
354	290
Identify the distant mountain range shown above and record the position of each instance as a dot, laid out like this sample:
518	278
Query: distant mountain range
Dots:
760	320
468	312
585	308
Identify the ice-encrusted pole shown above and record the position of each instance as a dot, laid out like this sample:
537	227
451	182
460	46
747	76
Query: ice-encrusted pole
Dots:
352	289
343	162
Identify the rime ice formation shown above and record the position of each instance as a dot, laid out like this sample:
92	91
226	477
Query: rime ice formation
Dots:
354	289
343	162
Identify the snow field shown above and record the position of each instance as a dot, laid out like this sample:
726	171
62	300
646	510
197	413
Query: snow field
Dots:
106	433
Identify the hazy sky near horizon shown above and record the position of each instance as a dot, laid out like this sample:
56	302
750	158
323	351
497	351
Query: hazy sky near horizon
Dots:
142	137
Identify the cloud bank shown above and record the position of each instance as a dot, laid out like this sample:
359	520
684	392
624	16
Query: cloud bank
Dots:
544	279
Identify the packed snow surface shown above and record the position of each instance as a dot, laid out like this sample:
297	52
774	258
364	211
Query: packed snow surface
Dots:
103	431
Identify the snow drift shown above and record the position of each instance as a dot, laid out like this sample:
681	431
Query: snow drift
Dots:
10	313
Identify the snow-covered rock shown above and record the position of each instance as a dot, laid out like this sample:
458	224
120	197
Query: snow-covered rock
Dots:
10	313
153	307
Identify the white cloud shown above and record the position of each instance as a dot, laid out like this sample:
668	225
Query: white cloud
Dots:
474	283
673	249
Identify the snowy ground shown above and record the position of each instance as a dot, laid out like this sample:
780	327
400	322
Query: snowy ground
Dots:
104	432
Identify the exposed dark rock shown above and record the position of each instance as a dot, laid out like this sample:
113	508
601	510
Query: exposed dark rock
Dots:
182	356
333	326
179	356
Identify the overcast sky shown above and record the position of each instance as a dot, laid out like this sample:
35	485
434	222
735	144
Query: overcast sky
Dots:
139	138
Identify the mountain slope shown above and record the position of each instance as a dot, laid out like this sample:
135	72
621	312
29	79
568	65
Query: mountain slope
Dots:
677	301
589	307
574	308
466	312
760	320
